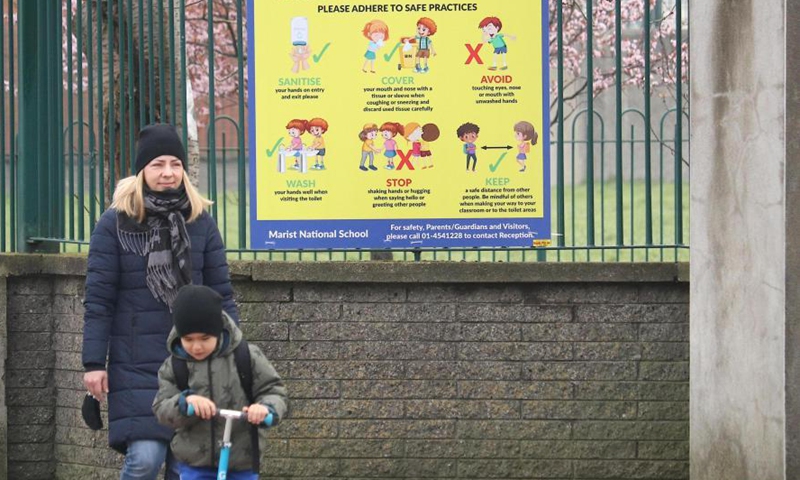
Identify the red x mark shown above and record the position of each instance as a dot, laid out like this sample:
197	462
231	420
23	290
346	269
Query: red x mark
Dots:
473	53
404	160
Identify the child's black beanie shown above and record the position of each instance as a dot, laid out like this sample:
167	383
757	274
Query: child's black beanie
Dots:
197	309
157	140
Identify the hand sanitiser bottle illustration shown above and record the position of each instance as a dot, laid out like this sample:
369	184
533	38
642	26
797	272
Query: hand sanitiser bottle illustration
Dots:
299	31
301	50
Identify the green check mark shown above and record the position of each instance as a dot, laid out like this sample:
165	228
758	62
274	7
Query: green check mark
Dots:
270	151
389	55
316	57
496	164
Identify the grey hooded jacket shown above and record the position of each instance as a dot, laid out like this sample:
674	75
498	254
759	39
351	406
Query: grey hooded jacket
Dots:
197	442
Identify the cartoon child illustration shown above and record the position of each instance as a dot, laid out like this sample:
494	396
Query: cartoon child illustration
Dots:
295	128
389	130
491	27
301	50
526	135
468	133
316	127
412	132
425	29
376	32
368	149
430	132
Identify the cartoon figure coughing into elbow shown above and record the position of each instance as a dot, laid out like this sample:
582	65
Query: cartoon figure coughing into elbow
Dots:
376	32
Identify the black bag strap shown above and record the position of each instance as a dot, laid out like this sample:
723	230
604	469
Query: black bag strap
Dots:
241	355
181	371
245	370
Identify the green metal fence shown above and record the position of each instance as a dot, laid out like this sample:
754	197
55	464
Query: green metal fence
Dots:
74	100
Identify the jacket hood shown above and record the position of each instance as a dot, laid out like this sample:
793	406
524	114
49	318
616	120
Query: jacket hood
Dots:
229	339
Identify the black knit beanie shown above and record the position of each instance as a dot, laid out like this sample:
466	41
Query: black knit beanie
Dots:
157	140
197	309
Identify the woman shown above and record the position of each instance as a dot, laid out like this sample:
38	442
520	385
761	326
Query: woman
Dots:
155	238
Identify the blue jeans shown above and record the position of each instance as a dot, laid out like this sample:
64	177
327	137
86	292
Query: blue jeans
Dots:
144	459
207	473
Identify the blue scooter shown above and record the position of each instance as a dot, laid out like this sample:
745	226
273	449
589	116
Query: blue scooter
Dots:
224	454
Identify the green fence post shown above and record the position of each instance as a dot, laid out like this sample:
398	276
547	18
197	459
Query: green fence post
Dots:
40	146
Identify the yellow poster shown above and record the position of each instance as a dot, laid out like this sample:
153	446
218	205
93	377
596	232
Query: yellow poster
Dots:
397	125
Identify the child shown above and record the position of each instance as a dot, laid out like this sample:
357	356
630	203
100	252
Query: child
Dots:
491	26
526	135
412	132
367	136
205	337
295	128
468	133
430	133
389	130
377	32
425	29
316	127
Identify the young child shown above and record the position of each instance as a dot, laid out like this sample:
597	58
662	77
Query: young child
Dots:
525	134
430	133
468	133
389	130
295	128
206	337
367	136
377	32
412	132
425	29
491	26
317	127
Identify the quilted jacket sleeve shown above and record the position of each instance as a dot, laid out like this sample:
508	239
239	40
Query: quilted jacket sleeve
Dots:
215	269
102	282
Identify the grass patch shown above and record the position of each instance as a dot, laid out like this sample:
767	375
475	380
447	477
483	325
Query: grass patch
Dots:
666	243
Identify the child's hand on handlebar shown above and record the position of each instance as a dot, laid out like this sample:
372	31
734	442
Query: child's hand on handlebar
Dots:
256	413
203	407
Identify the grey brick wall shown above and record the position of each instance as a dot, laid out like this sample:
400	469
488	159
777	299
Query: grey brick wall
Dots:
444	379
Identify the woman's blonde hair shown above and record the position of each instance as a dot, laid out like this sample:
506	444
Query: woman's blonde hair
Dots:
129	198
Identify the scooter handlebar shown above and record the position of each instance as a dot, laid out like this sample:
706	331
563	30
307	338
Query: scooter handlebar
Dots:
233	414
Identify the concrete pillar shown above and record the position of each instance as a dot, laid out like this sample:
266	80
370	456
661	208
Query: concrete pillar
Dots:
3	376
745	260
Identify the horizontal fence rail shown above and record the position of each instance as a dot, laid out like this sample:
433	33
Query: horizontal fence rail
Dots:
619	144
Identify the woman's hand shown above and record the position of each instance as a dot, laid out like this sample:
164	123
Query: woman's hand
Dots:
96	382
203	407
256	413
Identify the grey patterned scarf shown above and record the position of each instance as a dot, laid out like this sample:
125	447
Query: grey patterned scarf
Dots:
162	238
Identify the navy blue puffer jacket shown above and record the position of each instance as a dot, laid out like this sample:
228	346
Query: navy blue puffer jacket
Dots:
125	323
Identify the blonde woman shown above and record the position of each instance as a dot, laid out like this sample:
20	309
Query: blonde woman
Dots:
156	237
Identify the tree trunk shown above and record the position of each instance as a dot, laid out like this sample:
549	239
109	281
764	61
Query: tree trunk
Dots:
151	74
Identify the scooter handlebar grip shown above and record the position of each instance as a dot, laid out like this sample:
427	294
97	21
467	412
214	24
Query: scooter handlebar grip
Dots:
268	420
